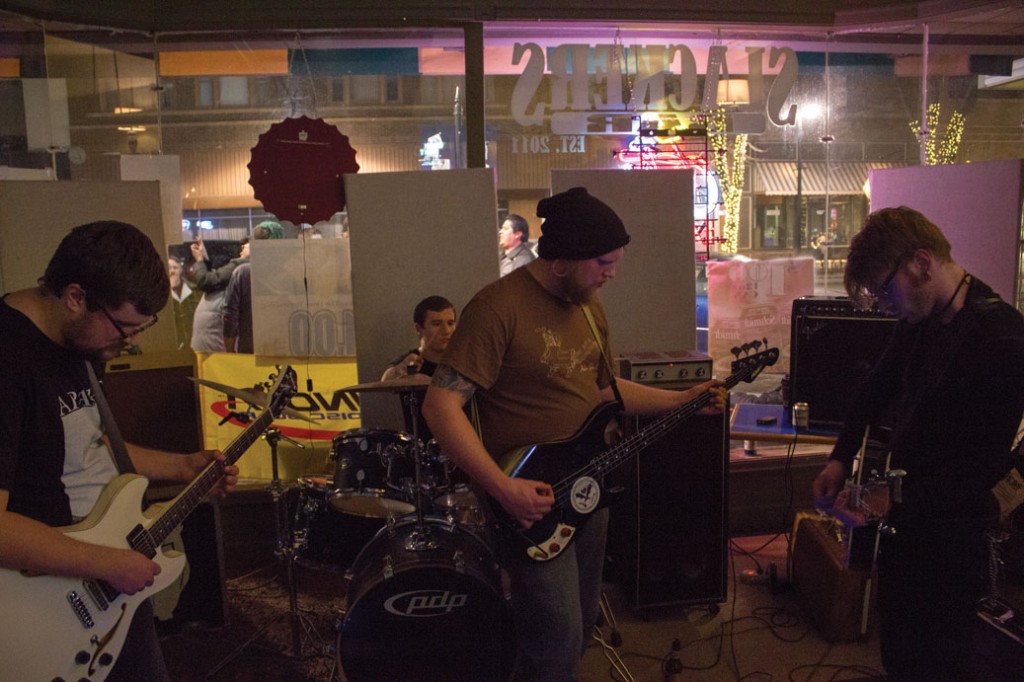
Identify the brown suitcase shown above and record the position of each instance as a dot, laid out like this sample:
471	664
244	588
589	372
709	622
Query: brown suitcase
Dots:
838	598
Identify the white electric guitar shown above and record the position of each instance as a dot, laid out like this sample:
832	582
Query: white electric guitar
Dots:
57	628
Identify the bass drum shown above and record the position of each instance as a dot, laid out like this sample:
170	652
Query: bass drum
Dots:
426	615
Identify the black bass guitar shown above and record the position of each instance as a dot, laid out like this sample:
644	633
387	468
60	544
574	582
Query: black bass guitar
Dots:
579	471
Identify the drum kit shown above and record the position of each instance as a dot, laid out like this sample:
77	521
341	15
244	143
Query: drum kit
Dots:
424	598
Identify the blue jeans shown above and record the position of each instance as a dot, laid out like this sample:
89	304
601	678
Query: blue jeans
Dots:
141	657
555	604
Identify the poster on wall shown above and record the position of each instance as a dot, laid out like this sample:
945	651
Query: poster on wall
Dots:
302	298
317	413
753	300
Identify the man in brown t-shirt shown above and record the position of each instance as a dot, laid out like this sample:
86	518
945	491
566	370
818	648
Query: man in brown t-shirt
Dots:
527	353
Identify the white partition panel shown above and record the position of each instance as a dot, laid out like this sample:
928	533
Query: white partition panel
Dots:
976	205
413	234
35	216
651	304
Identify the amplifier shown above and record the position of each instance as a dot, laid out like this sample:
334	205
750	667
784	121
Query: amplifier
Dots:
668	535
838	597
673	369
833	347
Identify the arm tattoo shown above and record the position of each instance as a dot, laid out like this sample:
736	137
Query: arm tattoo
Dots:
447	378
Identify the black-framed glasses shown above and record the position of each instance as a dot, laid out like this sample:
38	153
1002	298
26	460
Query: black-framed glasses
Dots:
886	287
127	333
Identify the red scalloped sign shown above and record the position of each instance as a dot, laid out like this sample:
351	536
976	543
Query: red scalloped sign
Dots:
297	167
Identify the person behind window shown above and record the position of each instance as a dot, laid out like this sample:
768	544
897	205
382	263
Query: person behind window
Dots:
211	277
513	237
238	334
183	302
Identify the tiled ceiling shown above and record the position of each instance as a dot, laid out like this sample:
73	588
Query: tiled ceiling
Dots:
997	24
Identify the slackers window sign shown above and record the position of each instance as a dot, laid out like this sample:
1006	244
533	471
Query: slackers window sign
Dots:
599	88
549	144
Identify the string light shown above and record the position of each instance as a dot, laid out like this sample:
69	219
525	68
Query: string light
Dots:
940	150
730	154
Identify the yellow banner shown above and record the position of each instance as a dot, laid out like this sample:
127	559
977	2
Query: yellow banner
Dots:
318	411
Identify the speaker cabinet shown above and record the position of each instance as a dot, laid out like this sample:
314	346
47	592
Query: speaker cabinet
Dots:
668	536
833	348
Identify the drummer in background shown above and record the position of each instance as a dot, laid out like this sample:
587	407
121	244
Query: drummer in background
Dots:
434	320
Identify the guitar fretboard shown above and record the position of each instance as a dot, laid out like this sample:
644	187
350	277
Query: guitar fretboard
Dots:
633	445
196	491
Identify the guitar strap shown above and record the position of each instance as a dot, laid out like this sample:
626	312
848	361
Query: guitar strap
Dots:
604	353
118	450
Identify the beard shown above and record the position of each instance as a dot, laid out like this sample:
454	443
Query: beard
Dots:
574	289
89	352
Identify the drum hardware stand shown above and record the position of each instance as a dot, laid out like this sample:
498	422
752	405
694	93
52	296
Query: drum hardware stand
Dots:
284	550
608	616
419	540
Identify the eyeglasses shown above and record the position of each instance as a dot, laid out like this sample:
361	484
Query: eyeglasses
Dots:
885	289
127	333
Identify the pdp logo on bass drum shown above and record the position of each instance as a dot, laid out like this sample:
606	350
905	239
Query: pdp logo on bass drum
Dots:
425	603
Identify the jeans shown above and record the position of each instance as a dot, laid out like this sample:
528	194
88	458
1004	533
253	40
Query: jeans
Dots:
555	604
931	576
141	657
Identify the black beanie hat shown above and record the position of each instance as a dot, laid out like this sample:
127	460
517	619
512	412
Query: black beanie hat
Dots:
577	227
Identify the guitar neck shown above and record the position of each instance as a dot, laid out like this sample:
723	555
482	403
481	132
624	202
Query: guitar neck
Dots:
633	445
196	491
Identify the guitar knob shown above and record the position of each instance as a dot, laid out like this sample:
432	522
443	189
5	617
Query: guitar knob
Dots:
554	548
566	532
82	657
106	659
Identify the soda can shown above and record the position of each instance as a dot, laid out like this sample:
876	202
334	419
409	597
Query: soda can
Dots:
801	415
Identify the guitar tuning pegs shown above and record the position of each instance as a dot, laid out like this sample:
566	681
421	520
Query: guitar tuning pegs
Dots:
765	341
736	350
756	345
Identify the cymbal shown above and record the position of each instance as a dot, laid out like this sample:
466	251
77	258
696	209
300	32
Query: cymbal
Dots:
412	382
249	395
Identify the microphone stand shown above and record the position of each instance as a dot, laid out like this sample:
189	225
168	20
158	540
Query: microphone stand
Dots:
284	550
285	545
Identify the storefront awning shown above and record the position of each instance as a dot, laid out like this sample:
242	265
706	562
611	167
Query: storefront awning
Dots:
818	178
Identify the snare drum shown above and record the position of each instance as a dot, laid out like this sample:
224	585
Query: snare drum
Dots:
432	614
370	465
460	505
